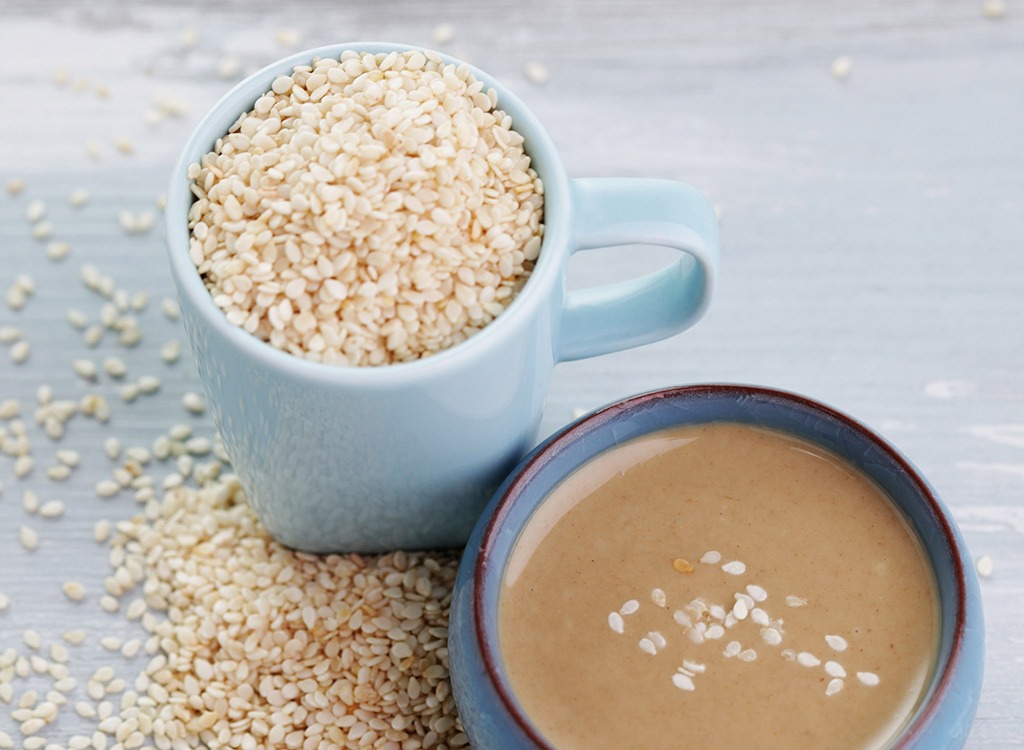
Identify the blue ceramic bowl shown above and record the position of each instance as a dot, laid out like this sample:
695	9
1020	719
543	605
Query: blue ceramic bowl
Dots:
490	713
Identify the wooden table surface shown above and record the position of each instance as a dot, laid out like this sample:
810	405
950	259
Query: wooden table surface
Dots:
872	229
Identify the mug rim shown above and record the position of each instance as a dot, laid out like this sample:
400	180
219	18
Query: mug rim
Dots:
938	686
545	274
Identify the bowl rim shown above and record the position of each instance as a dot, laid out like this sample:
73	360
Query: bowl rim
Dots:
940	684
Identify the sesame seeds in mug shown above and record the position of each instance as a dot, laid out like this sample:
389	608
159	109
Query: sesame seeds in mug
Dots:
420	251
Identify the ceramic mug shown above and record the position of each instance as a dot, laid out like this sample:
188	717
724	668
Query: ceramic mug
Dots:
406	455
491	715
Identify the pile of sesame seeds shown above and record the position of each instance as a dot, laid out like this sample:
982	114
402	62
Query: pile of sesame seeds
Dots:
702	622
370	209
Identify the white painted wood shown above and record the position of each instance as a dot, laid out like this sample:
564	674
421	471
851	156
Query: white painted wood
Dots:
871	230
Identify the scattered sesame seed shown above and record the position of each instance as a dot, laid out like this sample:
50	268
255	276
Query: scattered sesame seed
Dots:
993	9
657	639
58	473
15	185
20	352
734	568
747	655
870	679
834	686
288	37
659	598
109	603
35	211
682	682
984	566
85	368
771	636
170	309
694	667
536	73
647	646
79	197
711	558
629	607
841	67
93	148
739	610
107	488
807	659
124	145
75	637
93	336
52	509
836	642
43	230
101	530
148	384
112	448
23	466
10	408
714	632
5	602
834	669
110	643
171	351
682	565
57	251
228	66
115	367
193	403
29	538
757	593
74	591
32	640
9	334
129	392
443	33
795	601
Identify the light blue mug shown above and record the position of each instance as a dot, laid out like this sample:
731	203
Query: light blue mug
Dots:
406	455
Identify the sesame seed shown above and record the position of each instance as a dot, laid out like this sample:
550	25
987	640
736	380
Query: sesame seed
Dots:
30	501
834	669
771	636
16	185
124	145
615	622
148	384
647	646
834	686
443	33
109	603
795	601
171	351
79	197
58	473
536	73
984	566
841	67
714	632
757	593
20	352
288	37
101	530
170	309
682	566
657	639
682	681
734	568
228	66
29	539
32	639
107	488
9	334
35	211
115	367
5	602
75	637
870	679
629	607
74	591
69	457
739	610
806	659
58	250
52	509
836	642
993	9
748	655
711	558
193	403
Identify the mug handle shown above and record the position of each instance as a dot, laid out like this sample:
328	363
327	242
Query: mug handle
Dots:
609	212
